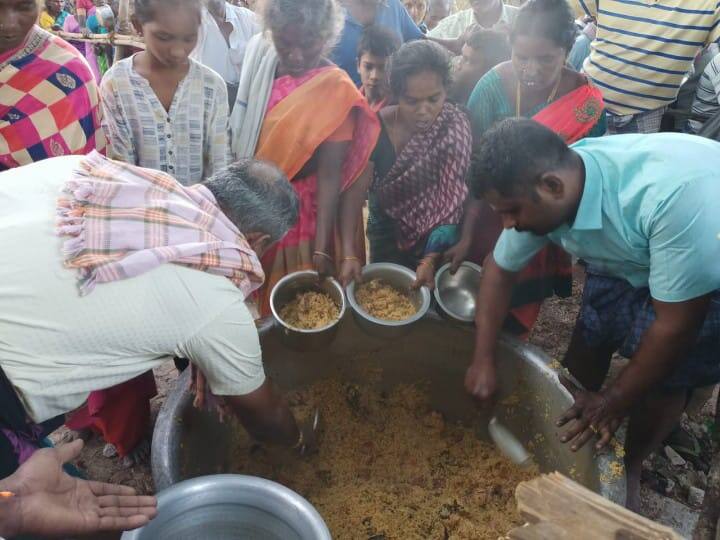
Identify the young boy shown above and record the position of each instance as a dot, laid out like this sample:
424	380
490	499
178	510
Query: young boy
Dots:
482	51
376	46
437	10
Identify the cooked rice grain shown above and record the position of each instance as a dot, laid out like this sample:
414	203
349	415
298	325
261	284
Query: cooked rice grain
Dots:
310	310
384	301
389	466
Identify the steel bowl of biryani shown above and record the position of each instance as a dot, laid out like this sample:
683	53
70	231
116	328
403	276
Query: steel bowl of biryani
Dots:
456	294
385	305
307	310
223	506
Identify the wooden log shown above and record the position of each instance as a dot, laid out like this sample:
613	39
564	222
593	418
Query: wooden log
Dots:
540	531
708	526
103	39
557	507
123	27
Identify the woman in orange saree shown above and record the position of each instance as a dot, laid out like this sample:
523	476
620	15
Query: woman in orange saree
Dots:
534	84
301	112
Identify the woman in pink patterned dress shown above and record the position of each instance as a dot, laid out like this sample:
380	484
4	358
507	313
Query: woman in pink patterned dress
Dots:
49	99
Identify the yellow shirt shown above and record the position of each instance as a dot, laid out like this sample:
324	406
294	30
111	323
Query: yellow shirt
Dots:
644	48
46	20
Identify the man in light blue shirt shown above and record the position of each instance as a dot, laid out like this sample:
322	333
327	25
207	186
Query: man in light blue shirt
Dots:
361	13
642	211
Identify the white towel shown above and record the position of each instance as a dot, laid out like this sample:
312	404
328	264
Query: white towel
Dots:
256	81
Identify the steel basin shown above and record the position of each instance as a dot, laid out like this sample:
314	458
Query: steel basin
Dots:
285	291
189	443
232	507
456	294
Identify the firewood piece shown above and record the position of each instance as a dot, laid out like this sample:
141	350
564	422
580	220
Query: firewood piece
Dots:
568	510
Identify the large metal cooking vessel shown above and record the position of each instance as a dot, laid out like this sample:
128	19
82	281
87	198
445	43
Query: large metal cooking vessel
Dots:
189	443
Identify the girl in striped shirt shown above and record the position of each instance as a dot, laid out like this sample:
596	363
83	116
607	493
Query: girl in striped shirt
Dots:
162	109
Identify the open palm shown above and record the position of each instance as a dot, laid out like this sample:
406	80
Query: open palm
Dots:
54	503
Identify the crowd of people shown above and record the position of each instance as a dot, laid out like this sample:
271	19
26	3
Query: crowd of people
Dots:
243	142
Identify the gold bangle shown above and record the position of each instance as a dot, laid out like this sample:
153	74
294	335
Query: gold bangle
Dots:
427	260
323	254
351	258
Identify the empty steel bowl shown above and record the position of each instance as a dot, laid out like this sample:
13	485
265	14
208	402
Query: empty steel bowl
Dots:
285	290
399	277
456	294
232	507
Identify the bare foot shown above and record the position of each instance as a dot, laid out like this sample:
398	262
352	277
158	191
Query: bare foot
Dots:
632	501
71	435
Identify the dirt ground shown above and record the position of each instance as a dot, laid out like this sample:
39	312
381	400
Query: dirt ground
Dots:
98	467
552	334
557	319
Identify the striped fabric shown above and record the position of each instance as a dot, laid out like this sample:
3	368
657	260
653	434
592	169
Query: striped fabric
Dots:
49	102
124	221
644	48
190	141
455	25
613	311
425	188
707	96
645	122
